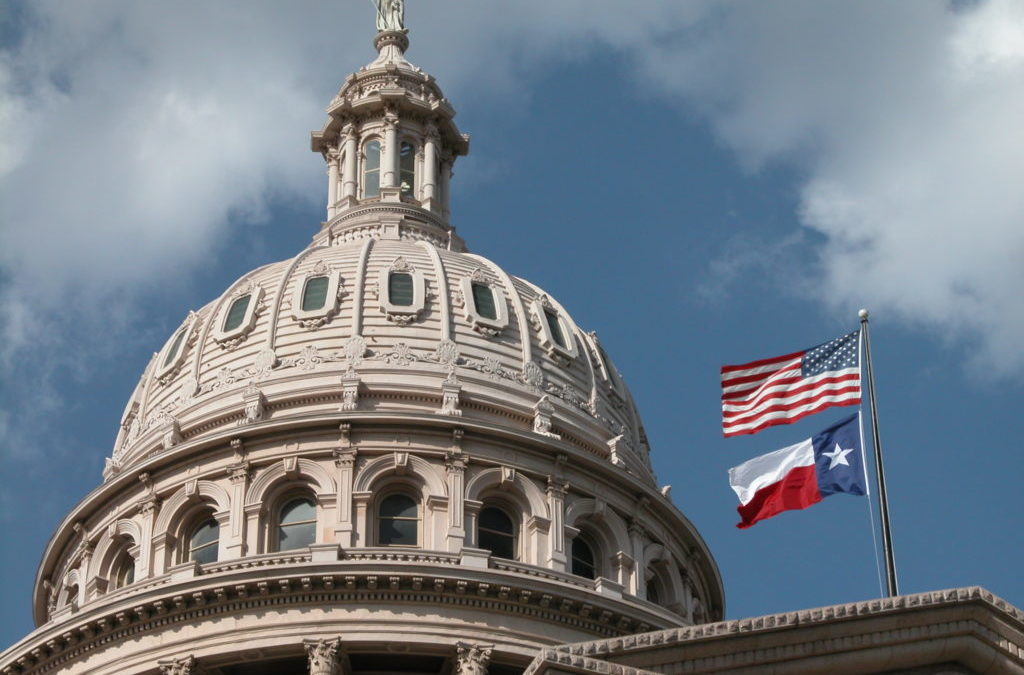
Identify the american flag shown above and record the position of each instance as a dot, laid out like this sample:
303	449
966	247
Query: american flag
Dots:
783	389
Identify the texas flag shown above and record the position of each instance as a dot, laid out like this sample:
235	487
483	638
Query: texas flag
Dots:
800	475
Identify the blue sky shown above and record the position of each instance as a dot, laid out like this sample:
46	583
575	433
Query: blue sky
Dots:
700	183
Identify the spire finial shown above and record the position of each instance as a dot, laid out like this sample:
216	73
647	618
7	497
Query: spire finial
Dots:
392	39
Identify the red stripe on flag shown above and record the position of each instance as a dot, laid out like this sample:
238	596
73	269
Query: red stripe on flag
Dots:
745	393
798	489
834	385
762	362
791	367
790	419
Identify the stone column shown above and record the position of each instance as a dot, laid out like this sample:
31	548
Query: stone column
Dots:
429	195
332	182
239	476
345	461
325	657
389	153
145	565
446	181
455	463
638	587
349	175
472	659
556	538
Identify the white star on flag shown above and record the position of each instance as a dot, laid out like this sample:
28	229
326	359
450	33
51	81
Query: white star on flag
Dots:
838	456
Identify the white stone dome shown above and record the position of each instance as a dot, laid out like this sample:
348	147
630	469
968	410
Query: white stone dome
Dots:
358	353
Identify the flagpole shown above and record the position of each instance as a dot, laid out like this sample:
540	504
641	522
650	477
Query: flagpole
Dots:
890	560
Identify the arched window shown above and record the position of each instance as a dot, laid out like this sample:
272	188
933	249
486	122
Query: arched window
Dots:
407	168
483	300
398	521
172	352
122	571
496	532
314	294
583	558
555	327
202	542
371	169
236	313
654	592
400	289
297	524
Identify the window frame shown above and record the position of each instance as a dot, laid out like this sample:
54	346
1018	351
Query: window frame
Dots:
517	552
566	354
167	362
481	323
401	313
198	521
413	188
314	318
363	171
415	498
255	293
286	500
595	551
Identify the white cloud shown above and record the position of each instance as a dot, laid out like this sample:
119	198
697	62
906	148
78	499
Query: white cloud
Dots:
132	133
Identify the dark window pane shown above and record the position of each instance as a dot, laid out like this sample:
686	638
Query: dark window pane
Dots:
582	559
397	532
500	545
173	351
372	155
398	506
652	592
206	554
205	533
400	289
296	536
555	328
297	511
236	313
483	298
314	295
129	573
407	168
496	520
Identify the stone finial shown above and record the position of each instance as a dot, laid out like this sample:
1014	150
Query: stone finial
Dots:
186	665
472	659
324	656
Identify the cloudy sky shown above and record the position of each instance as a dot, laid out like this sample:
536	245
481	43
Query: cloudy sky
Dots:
699	182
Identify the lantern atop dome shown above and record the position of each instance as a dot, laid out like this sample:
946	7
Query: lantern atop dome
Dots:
390	141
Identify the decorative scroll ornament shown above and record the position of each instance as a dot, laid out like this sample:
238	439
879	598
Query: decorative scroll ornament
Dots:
447	354
354	350
533	375
472	659
265	361
255	404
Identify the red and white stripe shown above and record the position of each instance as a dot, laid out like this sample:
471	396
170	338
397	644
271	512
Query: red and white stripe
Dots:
772	391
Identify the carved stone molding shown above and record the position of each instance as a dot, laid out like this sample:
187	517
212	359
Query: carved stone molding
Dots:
324	656
472	659
186	665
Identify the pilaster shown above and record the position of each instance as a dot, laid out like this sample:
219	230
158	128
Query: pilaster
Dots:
238	473
344	461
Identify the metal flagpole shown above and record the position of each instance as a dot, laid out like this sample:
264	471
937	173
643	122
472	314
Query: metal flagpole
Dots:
883	502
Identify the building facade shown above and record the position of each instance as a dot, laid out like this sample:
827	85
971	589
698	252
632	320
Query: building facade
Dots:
388	455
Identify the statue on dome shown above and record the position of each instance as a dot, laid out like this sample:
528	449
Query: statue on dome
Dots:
390	15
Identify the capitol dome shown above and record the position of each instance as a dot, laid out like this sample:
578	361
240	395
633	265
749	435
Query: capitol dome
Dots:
384	454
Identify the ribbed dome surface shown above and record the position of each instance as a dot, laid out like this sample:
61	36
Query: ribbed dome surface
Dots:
361	353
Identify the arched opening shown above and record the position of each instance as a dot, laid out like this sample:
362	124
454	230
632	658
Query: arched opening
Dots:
203	540
398	521
122	570
407	168
371	169
296	524
496	532
584	560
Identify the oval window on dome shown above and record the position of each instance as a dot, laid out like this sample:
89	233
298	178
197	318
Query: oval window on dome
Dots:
237	312
400	289
314	295
555	327
371	170
483	299
172	353
407	168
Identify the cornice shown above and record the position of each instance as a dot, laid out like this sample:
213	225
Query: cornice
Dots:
282	580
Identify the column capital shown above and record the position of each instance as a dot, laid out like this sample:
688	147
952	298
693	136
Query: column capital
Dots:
186	665
472	658
324	656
